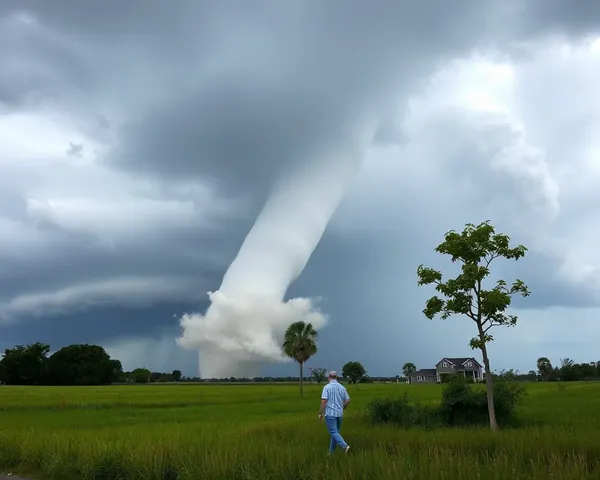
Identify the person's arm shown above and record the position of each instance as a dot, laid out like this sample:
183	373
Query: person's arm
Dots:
346	400
324	397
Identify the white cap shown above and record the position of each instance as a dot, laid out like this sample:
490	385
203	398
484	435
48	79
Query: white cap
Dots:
332	374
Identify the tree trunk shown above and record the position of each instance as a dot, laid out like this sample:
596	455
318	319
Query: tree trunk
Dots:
489	385
301	381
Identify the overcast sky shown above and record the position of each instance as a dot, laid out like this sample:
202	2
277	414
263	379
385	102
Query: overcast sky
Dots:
139	139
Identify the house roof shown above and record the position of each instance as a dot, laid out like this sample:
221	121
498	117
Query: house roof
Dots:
458	361
425	372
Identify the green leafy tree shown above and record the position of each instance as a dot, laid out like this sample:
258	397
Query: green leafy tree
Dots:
544	367
568	370
475	249
141	375
409	370
25	364
300	343
176	375
319	374
354	371
586	370
83	365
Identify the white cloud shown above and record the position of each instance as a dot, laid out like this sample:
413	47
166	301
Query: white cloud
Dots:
470	144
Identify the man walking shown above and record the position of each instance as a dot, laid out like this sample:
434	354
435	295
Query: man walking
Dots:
334	401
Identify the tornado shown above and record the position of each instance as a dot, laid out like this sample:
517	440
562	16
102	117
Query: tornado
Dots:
243	327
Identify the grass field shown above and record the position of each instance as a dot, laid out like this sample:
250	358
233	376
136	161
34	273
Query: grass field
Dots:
233	432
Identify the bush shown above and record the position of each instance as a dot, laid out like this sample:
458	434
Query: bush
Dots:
507	397
402	413
463	405
449	377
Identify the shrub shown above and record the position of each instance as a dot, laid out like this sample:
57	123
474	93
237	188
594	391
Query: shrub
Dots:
464	405
507	397
402	413
449	377
461	405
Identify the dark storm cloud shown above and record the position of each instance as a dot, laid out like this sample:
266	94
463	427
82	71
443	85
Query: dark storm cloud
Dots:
75	258
312	73
98	326
300	72
316	68
556	16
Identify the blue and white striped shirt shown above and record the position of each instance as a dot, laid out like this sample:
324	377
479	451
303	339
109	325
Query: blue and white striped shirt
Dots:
335	394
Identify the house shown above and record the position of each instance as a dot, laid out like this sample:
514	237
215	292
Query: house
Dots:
468	367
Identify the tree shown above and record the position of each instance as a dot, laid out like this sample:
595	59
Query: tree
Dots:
25	365
176	375
544	368
300	343
409	370
83	365
319	374
354	371
586	371
141	375
475	248
567	369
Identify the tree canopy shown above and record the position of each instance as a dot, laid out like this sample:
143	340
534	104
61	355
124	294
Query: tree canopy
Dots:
319	374
25	364
354	371
544	367
409	370
72	365
83	365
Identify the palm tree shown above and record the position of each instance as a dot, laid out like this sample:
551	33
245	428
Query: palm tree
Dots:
409	370
300	344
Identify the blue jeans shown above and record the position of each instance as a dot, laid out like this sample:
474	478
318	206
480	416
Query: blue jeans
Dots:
333	425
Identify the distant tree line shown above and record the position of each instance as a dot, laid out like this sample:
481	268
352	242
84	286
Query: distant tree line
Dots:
85	364
73	365
143	375
568	371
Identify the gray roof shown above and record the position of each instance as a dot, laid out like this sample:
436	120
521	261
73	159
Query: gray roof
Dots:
458	361
425	372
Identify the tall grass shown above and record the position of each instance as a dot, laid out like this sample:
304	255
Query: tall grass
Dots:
198	432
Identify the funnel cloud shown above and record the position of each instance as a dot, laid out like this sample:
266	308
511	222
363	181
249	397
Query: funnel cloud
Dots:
243	327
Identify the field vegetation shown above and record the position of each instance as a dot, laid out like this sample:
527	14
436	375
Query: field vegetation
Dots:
168	432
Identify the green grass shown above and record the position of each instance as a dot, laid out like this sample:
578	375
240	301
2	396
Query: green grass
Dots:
233	432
